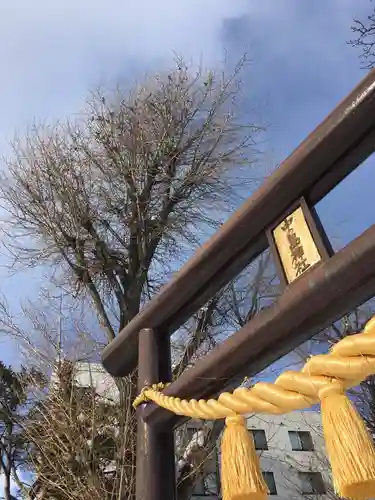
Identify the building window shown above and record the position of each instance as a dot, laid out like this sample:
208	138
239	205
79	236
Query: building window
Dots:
206	486
312	483
301	441
270	481
260	440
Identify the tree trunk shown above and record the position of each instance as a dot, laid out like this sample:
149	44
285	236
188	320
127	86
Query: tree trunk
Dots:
7	494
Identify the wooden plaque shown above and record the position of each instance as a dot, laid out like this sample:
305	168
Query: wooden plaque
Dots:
295	244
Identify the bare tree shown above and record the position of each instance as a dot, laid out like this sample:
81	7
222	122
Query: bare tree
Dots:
112	199
229	310
364	39
15	402
320	463
75	444
59	416
113	202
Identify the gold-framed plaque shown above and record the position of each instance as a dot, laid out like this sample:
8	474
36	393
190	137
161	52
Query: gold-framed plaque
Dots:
295	245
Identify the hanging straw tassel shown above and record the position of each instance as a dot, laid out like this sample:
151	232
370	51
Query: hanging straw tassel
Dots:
349	445
241	477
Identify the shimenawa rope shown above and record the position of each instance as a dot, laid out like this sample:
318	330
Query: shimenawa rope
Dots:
324	378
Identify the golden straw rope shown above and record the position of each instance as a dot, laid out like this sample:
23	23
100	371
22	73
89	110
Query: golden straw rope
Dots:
349	362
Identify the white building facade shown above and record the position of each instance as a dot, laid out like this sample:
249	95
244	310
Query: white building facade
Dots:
292	458
292	454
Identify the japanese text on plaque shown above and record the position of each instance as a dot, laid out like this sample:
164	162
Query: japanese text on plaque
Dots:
295	244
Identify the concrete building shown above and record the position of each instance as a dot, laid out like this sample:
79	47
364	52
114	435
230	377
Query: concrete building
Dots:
93	375
292	458
291	448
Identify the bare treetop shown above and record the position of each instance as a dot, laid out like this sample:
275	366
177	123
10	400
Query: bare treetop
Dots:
364	33
109	204
112	200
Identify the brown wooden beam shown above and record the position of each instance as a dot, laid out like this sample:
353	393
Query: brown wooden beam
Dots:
334	149
313	302
155	470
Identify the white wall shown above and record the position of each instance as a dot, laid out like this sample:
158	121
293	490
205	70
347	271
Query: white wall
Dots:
286	463
282	460
94	375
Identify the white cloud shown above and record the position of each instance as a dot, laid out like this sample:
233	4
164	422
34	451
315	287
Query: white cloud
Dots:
52	52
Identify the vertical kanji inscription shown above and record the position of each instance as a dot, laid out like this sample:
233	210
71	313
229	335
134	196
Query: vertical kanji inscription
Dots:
295	245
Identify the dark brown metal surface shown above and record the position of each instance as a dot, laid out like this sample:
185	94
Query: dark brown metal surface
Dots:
155	472
311	303
325	247
331	152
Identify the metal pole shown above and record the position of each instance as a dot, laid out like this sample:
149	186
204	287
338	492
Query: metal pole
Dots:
155	472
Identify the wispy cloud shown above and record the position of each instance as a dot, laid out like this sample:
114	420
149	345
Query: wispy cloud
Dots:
52	52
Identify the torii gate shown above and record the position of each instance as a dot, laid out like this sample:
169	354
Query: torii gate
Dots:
320	286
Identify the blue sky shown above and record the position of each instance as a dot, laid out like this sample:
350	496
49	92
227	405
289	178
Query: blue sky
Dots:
53	53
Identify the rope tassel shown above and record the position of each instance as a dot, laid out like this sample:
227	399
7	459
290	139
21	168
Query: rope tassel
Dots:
324	378
349	446
241	477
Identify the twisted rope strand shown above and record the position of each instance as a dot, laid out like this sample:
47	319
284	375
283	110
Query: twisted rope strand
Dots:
347	364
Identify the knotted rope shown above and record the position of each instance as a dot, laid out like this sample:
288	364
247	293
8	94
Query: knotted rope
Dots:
324	378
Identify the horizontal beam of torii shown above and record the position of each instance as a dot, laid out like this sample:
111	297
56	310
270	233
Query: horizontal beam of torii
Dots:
333	150
321	296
